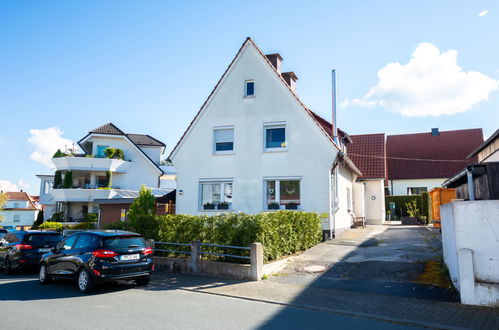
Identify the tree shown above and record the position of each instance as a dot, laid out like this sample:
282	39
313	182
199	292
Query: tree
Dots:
39	220
109	178
141	217
3	201
68	180
57	179
144	204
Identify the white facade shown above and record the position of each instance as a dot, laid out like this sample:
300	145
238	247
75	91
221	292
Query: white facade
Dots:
18	217
374	201
307	155
470	238
140	166
401	187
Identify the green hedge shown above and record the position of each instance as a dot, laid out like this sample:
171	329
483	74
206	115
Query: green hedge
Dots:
57	226
426	211
400	206
281	233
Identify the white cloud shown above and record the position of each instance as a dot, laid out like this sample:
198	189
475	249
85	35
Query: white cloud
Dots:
483	13
23	185
430	84
45	142
6	185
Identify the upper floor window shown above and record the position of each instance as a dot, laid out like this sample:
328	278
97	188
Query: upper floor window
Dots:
100	151
275	137
249	88
17	218
223	140
16	205
416	190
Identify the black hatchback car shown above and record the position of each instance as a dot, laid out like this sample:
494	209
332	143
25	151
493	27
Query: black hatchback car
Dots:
94	257
22	249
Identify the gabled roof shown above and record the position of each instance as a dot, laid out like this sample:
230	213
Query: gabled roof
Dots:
315	117
485	144
368	152
21	196
421	155
135	139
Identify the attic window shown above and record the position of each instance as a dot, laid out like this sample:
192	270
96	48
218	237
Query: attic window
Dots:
249	88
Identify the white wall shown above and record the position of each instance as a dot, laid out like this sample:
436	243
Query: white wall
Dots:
153	152
344	216
400	186
470	238
26	218
309	155
16	204
375	208
359	206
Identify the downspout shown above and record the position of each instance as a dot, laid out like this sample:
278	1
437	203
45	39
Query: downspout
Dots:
471	184
334	206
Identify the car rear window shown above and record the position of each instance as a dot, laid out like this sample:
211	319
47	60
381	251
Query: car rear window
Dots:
124	242
44	238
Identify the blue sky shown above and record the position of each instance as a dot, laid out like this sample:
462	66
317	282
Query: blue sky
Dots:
148	66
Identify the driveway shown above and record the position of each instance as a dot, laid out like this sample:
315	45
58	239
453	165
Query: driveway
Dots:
388	259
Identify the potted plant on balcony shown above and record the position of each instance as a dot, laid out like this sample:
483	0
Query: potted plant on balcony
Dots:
119	154
291	206
273	206
109	152
209	206
223	206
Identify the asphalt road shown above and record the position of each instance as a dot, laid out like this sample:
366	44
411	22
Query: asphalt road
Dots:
26	304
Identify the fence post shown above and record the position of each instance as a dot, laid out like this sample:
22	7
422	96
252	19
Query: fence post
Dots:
256	257
195	255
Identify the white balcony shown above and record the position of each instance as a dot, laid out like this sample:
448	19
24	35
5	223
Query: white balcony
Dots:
90	164
80	195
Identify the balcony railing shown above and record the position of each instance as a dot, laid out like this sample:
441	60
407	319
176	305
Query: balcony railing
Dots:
90	164
80	194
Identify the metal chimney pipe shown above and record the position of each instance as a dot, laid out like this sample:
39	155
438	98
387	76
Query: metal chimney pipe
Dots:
334	128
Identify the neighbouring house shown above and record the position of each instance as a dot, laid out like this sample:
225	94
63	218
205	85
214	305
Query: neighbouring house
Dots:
116	208
419	162
255	147
368	152
112	161
20	210
489	150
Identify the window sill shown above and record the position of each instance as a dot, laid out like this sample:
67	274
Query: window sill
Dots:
223	153
248	97
270	150
264	210
216	210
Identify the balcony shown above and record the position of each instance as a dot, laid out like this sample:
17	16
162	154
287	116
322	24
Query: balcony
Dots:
80	195
90	164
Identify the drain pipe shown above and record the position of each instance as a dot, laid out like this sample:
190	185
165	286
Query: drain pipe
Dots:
471	184
334	206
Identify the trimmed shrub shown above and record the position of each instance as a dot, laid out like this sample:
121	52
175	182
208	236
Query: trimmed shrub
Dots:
281	233
56	226
57	179
91	217
400	204
117	225
57	216
59	153
426	210
83	225
109	152
109	179
68	180
119	154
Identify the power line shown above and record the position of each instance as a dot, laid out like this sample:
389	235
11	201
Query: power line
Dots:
413	159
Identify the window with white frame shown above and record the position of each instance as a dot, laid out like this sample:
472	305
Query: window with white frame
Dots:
223	140
416	190
215	195
274	137
16	205
17	218
249	88
282	194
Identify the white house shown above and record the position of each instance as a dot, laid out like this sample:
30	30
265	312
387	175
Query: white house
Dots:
20	210
97	175
254	147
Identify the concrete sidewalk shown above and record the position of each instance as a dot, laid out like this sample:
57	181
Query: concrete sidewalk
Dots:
406	311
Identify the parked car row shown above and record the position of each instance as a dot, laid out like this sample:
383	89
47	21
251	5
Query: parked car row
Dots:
86	257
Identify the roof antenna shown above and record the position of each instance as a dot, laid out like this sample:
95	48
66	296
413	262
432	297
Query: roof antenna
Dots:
334	128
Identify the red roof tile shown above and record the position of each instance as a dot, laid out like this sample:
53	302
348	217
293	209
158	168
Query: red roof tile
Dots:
446	153
21	196
368	152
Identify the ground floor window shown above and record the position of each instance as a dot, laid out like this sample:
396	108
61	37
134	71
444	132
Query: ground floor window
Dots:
282	194
216	195
416	190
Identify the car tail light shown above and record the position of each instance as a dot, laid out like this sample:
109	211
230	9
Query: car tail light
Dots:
104	254
147	251
96	272
23	246
153	267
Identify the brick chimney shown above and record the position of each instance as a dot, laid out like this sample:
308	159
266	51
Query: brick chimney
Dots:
276	60
290	79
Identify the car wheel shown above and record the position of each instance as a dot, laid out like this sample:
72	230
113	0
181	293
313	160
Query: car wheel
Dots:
7	266
43	275
84	281
143	280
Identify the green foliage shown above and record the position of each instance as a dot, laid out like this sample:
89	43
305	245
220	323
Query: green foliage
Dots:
109	179
412	208
281	233
117	225
57	179
109	152
38	221
400	204
119	154
59	153
83	225
91	217
57	216
51	226
3	201
142	207
68	180
426	206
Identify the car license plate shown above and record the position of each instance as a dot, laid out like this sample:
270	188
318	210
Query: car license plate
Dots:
128	257
43	250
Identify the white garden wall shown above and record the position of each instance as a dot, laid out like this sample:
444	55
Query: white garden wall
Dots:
470	237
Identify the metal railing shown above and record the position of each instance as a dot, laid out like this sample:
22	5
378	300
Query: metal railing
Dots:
224	254
172	251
